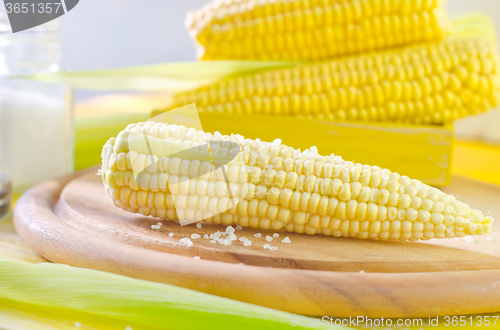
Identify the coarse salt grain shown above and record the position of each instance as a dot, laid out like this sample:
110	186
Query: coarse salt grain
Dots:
159	224
269	238
198	225
155	227
239	227
267	246
170	234
230	230
186	241
232	237
276	235
361	271
258	235
247	243
195	236
196	258
213	241
286	240
206	236
468	239
273	248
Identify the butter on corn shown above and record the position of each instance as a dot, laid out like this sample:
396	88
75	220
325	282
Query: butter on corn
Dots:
419	84
312	29
285	188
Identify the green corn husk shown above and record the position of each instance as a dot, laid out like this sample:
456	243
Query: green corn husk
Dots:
82	293
172	77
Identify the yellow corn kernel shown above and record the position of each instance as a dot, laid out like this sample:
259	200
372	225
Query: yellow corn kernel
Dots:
348	94
310	30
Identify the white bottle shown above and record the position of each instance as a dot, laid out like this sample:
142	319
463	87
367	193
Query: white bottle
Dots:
36	119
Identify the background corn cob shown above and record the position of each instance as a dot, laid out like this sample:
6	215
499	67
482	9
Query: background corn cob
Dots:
280	188
424	84
312	29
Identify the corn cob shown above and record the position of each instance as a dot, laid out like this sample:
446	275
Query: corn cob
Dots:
425	84
312	29
279	187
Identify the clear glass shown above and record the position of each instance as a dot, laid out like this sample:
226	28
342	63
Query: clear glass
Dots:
36	119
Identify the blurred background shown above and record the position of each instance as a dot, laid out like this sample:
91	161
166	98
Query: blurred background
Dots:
116	33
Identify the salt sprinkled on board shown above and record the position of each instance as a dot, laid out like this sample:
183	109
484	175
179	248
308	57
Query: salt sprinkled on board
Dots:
286	240
170	234
269	238
276	235
196	258
267	246
195	236
239	227
225	241
468	239
230	229
258	235
247	243
198	225
273	248
186	241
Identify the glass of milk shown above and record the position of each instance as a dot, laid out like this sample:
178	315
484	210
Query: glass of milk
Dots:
36	119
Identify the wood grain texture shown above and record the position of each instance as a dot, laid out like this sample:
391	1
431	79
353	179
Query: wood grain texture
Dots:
72	221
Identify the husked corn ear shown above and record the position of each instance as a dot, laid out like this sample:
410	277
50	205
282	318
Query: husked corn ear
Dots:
425	84
312	29
301	192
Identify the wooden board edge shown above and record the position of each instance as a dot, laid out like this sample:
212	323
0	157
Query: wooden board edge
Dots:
307	292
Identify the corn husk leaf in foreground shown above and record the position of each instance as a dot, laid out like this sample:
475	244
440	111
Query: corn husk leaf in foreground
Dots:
146	304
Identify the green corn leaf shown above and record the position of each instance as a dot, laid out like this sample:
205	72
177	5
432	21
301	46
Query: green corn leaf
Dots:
475	25
160	77
152	305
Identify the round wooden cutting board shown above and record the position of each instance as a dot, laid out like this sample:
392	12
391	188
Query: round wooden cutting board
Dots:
72	221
